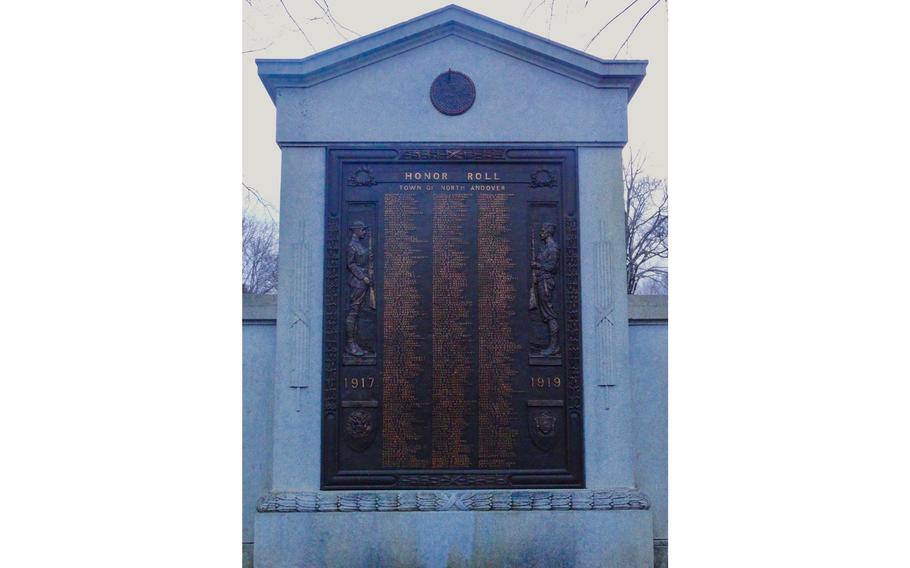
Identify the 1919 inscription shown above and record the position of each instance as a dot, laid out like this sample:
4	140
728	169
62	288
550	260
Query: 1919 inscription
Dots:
458	318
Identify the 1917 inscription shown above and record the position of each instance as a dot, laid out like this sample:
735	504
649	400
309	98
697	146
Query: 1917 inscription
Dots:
456	294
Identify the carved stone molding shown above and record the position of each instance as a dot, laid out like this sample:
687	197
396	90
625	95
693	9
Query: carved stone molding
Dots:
391	501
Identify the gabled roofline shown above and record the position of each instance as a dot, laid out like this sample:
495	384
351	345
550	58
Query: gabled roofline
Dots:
438	24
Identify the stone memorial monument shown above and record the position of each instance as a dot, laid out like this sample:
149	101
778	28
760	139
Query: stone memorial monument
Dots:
452	381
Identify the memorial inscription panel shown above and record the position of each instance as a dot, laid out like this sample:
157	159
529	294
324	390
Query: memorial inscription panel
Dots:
452	348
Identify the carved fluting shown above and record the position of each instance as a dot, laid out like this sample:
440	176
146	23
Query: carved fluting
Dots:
604	310
311	502
300	325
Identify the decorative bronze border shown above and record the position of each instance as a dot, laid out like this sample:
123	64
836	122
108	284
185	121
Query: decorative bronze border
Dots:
421	478
458	154
453	479
573	314
330	314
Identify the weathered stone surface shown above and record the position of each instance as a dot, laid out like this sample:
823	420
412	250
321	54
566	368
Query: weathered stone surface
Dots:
529	90
538	500
648	308
258	390
648	355
259	307
661	556
452	539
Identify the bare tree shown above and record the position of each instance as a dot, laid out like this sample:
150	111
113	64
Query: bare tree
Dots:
646	228
260	255
657	285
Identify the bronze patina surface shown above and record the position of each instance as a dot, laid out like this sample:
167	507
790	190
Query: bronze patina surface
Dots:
452	348
453	93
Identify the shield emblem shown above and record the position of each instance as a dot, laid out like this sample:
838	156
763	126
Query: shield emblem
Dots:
359	429
543	424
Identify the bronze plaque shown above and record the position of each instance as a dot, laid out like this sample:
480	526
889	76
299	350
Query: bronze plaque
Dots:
452	93
452	325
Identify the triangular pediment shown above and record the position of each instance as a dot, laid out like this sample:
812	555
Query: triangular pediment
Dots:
439	24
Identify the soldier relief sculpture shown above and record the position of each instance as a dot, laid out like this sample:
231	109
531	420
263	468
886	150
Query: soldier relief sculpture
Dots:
360	267
544	270
438	370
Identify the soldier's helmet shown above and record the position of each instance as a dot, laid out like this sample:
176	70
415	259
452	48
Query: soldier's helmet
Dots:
358	225
549	227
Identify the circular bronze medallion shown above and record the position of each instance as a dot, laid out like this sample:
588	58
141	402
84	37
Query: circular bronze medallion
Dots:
452	93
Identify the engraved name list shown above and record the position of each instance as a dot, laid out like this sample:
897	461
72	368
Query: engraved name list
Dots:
448	357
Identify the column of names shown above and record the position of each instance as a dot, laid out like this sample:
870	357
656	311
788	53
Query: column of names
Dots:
403	350
496	345
453	350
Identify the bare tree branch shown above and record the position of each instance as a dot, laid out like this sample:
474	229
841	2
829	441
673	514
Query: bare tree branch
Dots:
647	219
628	37
550	17
262	201
260	49
303	33
335	23
587	45
331	18
539	4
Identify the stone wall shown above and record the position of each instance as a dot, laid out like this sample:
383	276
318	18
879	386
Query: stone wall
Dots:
258	389
648	365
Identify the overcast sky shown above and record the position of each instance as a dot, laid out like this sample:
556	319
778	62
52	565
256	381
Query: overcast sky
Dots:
268	32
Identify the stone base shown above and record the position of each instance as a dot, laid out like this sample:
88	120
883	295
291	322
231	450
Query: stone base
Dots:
660	553
455	538
247	555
